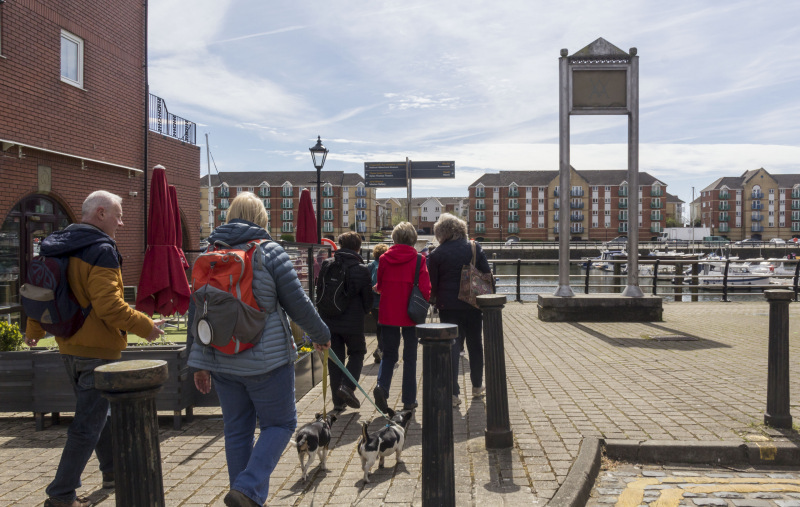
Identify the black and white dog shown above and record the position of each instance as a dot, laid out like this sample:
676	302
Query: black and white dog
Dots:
387	440
315	436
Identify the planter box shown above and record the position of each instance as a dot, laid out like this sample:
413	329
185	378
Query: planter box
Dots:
53	393
16	381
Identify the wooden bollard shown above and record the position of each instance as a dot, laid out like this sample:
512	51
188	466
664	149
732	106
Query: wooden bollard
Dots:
438	472
131	387
498	432
777	414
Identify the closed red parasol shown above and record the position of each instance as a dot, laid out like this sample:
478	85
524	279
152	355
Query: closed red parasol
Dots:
176	217
306	220
163	287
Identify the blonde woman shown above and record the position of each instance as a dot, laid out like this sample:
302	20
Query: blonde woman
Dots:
257	384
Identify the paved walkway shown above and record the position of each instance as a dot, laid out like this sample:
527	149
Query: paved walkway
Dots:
566	381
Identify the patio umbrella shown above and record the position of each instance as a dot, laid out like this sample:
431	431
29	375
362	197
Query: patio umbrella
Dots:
163	287
306	220
176	217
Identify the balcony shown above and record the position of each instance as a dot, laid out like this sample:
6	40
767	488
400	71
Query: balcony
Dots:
480	228
168	124
287	205
795	194
656	192
576	205
327	204
287	192
576	217
222	217
327	215
360	204
724	217
757	217
480	217
513	229
360	192
623	204
795	226
576	229
555	229
757	205
623	215
656	205
576	192
480	205
757	228
266	203
557	204
795	204
656	228
795	215
724	228
361	216
224	193
263	192
327	227
655	216
327	192
622	192
513	218
287	215
724	206
287	227
622	228
724	195
555	217
480	192
757	194
513	204
224	204
513	192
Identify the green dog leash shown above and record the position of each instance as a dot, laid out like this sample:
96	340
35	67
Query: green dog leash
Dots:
338	363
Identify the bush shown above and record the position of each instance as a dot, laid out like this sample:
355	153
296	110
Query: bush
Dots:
287	237
10	337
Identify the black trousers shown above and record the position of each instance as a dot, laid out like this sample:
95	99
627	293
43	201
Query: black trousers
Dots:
351	347
378	328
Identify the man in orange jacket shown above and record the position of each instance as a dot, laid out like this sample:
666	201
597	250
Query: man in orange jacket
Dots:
95	279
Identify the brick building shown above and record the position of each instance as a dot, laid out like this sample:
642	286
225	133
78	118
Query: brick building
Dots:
74	118
756	205
525	205
425	211
346	203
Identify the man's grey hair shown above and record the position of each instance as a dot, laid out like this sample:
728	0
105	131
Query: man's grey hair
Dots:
449	227
99	199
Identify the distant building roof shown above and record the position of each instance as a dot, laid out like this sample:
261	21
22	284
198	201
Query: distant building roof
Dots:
278	178
543	178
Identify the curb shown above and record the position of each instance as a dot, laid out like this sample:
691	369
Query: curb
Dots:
577	486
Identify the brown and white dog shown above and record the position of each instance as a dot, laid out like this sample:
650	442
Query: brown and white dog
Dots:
387	440
314	437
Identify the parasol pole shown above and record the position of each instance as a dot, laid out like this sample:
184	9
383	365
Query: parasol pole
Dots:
210	192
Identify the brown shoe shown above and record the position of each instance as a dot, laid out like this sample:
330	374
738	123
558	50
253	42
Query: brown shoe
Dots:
78	502
236	498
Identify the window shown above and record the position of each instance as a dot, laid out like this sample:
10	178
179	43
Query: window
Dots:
71	59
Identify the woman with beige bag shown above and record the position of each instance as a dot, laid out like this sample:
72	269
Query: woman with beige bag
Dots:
445	265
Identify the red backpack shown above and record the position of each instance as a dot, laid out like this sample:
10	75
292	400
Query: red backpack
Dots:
227	316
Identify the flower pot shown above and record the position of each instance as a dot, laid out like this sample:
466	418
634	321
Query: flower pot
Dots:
16	381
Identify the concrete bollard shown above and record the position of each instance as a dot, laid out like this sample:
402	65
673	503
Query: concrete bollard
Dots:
131	387
777	414
498	432
438	472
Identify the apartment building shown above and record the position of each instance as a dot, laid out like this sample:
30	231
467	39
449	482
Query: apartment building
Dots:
756	205
525	205
347	204
76	116
425	211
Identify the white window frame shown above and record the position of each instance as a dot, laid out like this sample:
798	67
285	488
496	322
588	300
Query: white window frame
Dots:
70	37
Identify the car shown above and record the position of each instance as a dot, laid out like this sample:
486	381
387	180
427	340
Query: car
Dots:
511	241
619	241
777	241
749	242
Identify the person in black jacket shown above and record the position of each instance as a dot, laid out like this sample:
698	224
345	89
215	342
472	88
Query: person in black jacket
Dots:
347	328
444	266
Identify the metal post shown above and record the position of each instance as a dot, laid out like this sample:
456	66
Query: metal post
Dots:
588	270
498	434
725	281
633	290
131	387
777	414
564	187
519	280
438	472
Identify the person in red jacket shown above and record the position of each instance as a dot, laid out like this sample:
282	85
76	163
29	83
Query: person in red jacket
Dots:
395	280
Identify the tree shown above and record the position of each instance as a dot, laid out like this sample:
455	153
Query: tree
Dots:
672	222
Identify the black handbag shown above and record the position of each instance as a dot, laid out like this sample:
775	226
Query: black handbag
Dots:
417	305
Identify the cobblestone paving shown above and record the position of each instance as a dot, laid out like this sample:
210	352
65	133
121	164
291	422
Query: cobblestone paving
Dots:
628	485
566	381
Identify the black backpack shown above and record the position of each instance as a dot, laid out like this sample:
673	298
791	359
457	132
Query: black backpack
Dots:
332	298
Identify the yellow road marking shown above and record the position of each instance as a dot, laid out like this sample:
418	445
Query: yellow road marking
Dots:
633	494
767	452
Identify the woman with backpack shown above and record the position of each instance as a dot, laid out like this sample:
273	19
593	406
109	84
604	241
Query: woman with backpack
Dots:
396	272
256	384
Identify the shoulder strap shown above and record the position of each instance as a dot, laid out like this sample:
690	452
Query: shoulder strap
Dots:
472	243
416	274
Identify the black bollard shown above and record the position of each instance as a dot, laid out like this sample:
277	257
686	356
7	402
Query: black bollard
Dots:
498	434
777	414
438	472
131	387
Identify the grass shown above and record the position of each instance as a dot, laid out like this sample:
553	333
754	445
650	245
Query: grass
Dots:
172	334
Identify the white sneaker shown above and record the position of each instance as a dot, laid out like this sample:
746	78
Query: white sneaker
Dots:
477	391
456	401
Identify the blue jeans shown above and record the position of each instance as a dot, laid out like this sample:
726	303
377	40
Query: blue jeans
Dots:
89	431
470	324
270	398
391	350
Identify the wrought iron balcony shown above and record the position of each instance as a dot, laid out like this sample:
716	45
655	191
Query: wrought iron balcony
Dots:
622	192
623	215
655	228
757	217
224	204
513	228
724	217
360	192
513	218
480	228
287	205
327	204
576	205
576	217
513	205
623	228
576	192
656	205
287	192
756	205
576	229
724	206
656	192
655	216
327	215
757	228
795	194
361	205
758	194
795	226
480	192
168	124
263	192
795	204
623	204
513	192
224	192
724	228
480	218
724	195
480	206
327	192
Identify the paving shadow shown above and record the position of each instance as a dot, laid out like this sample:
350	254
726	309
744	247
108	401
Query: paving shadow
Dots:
501	479
693	343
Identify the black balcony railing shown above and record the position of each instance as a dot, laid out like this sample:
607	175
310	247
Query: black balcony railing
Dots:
168	124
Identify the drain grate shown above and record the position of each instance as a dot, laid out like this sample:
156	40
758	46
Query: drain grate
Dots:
674	338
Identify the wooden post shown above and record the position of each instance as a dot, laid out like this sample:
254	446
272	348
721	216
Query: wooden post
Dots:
131	387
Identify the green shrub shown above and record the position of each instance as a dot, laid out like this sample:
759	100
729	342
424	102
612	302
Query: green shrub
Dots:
287	237
10	337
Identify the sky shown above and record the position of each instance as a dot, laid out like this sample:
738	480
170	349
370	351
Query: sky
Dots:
476	82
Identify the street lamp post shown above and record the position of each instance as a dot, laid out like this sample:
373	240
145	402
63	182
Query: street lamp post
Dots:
318	155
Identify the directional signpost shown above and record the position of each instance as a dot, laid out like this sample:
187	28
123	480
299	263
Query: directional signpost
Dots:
400	174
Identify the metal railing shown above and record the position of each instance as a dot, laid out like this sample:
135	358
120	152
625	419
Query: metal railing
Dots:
168	124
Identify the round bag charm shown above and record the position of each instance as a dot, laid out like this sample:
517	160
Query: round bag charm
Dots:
204	331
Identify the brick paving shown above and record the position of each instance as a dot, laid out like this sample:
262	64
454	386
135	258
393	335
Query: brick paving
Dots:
566	381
